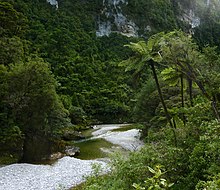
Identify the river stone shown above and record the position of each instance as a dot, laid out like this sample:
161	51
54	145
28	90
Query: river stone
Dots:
56	156
72	151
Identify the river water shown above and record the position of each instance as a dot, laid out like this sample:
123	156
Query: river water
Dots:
68	171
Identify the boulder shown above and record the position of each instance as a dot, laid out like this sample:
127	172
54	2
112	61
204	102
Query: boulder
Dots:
72	151
56	156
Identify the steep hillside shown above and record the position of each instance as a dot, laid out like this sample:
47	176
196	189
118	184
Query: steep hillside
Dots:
78	46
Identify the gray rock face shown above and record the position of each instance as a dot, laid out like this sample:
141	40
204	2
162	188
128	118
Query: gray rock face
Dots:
53	2
112	19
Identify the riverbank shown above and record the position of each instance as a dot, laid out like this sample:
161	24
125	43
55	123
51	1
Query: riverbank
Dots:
64	174
67	172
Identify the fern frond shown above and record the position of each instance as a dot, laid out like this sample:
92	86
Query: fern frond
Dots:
139	47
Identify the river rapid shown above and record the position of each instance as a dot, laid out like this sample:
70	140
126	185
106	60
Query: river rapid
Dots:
67	171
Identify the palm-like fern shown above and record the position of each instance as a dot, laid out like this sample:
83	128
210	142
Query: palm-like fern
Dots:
147	53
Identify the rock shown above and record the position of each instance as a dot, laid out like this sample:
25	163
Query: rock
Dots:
56	156
72	135
72	151
69	151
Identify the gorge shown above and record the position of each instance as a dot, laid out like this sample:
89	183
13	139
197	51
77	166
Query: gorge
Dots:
68	171
67	65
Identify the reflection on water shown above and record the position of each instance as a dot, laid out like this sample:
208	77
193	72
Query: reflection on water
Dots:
95	146
91	149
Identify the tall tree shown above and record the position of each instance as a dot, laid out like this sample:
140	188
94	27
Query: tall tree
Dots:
175	78
34	105
182	53
149	54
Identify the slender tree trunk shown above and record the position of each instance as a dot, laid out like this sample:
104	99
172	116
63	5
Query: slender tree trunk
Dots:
160	93
182	98
168	117
214	107
213	100
192	77
190	92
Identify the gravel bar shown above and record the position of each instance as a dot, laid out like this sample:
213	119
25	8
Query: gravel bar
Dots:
65	173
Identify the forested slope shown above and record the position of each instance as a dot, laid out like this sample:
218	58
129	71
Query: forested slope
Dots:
57	73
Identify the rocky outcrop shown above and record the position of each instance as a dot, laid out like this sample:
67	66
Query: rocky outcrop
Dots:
53	2
112	19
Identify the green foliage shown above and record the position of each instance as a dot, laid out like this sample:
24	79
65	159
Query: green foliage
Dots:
144	52
12	22
29	105
77	78
205	155
156	182
32	94
12	27
146	102
92	179
124	172
77	115
212	184
172	77
209	67
159	15
196	154
133	169
11	136
11	50
88	80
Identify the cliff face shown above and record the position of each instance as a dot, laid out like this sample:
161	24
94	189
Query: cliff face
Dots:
113	19
134	18
53	2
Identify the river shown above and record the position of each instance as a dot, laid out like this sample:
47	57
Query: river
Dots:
68	171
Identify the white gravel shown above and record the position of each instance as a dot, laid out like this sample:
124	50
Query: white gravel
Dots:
129	140
66	173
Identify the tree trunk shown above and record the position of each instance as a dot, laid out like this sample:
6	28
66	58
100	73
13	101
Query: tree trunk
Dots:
213	101
190	92
160	93
192	77
214	107
182	98
168	117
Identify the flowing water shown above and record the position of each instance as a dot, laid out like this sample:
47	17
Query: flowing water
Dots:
99	142
67	171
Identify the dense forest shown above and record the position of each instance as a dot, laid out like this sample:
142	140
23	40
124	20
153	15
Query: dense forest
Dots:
56	75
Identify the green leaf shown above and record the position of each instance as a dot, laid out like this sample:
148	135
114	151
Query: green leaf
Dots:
151	170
